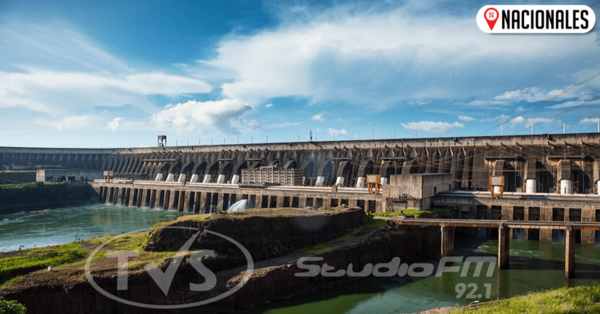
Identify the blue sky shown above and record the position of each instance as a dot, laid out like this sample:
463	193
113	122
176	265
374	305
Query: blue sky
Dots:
119	73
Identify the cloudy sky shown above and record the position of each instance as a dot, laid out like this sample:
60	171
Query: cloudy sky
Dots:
118	73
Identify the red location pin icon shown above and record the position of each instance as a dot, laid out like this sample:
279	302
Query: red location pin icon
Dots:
491	17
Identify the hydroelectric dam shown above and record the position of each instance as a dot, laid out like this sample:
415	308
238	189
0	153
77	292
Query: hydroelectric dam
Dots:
549	177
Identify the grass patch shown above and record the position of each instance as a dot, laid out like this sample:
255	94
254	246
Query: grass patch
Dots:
440	211
16	186
369	221
584	299
39	258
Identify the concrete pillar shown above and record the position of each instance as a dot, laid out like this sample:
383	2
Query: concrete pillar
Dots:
503	247
171	200
508	214
526	218
109	192
352	203
379	206
588	236
302	202
258	203
202	204
279	202
546	215
157	198
119	196
447	241
326	203
132	196
569	252
144	196
186	201
220	202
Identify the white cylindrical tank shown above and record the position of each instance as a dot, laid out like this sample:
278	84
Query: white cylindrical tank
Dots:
339	181
360	182
235	179
566	187
194	178
530	186
181	178
497	190
170	177
221	179
384	181
598	187
320	181
159	177
207	178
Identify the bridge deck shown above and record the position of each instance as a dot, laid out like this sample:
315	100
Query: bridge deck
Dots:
517	224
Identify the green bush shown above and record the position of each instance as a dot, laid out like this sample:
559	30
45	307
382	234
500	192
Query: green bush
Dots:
11	307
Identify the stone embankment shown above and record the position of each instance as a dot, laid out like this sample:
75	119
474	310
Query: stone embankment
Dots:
275	242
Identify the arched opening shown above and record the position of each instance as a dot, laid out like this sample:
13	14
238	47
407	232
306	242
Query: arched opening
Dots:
328	173
348	174
164	169
214	171
369	168
187	169
227	171
243	166
544	177
309	173
176	168
200	170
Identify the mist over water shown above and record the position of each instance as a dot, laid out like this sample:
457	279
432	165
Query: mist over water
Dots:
65	225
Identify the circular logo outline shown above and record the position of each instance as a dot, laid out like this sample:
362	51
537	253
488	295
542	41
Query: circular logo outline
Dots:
247	275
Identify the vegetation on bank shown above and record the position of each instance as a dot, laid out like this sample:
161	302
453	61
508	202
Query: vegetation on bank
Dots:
16	263
40	195
435	211
11	307
583	299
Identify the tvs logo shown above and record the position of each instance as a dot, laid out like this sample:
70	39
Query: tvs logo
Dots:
536	19
163	279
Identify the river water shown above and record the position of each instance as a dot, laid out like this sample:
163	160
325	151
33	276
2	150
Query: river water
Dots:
66	225
534	266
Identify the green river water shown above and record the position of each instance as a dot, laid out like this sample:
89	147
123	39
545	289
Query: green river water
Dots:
534	266
66	225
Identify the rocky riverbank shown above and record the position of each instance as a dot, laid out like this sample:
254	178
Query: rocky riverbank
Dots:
338	243
40	196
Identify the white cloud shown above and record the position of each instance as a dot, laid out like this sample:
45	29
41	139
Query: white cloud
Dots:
520	120
333	132
535	94
115	123
193	116
590	120
318	117
316	57
500	118
268	105
575	103
55	70
465	118
56	92
432	127
520	109
71	122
